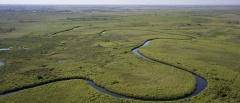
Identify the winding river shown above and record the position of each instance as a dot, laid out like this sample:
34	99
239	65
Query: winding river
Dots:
201	83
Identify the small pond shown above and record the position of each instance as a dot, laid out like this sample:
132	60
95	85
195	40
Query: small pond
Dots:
1	64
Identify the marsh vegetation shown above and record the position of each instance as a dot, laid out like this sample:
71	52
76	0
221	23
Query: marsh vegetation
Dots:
47	47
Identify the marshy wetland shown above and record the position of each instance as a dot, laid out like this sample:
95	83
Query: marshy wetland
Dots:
88	53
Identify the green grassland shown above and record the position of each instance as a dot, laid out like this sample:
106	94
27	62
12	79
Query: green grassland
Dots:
46	46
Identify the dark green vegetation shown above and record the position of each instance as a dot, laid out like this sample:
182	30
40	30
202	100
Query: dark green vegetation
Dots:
55	42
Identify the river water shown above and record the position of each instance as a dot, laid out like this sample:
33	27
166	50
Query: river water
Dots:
201	83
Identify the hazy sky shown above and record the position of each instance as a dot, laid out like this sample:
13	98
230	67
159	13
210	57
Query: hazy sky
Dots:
130	2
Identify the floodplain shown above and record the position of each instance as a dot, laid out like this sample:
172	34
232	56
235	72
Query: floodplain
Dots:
48	52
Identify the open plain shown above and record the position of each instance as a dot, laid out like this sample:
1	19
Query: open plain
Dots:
53	54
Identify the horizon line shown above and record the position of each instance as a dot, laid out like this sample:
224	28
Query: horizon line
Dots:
133	4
